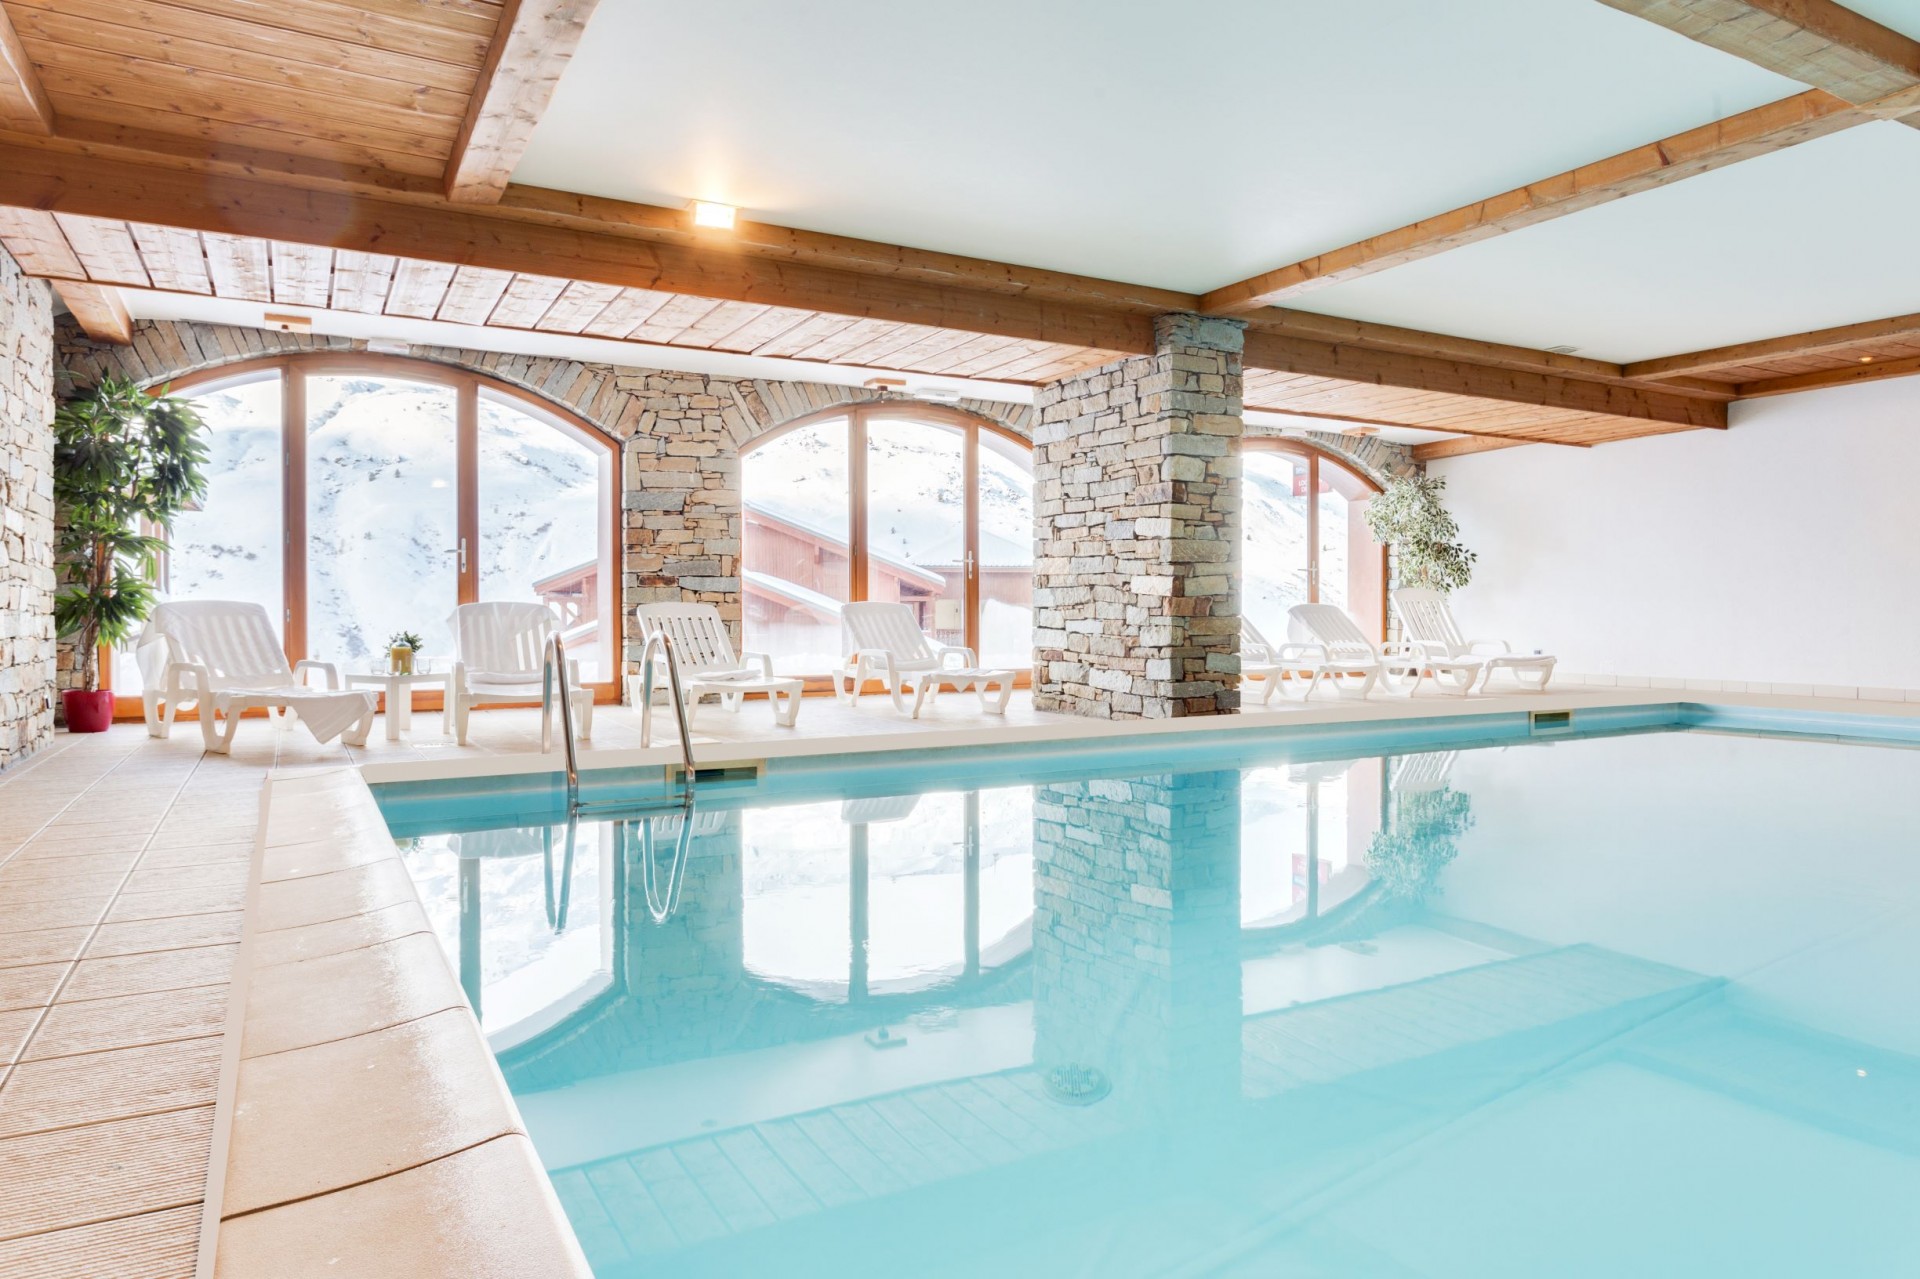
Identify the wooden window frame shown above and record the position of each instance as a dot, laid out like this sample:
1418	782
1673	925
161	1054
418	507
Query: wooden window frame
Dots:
857	417
467	385
1315	458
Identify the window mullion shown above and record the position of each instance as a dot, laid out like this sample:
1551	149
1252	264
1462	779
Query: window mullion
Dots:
293	514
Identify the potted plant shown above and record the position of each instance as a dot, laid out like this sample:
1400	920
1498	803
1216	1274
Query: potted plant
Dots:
401	646
124	463
1410	517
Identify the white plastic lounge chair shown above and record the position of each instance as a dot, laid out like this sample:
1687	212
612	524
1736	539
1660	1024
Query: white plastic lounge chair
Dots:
499	651
884	642
1428	621
704	652
223	656
1258	661
1324	646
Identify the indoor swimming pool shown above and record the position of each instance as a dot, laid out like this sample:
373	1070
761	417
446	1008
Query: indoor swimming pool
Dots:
1635	1003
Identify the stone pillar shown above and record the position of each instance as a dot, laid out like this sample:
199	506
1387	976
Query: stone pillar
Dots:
28	652
1137	530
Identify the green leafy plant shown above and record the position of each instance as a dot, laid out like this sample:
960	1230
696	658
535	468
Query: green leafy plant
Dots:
1419	841
407	640
1410	517
125	462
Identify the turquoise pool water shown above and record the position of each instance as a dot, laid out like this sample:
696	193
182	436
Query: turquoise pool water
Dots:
1644	1004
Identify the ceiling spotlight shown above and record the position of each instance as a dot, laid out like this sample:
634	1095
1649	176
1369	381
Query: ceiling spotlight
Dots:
1866	359
718	217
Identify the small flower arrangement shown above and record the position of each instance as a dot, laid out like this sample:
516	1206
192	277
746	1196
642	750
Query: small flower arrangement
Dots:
401	646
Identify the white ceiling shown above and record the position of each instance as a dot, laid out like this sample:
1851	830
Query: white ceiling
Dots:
1816	235
1183	146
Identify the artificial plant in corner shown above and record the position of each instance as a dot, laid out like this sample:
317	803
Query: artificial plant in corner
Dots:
1410	517
124	464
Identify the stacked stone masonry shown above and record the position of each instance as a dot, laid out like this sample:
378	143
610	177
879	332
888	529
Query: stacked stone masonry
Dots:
682	435
27	648
1137	530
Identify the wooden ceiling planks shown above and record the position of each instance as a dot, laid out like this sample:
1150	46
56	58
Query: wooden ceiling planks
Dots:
530	47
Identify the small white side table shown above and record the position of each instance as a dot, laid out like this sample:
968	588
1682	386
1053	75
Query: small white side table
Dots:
398	690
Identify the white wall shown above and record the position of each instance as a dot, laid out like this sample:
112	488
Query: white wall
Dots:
1783	550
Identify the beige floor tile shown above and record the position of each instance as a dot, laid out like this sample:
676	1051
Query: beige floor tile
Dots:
226	875
196	855
31	986
34	916
103	1171
63	1092
175	901
293	903
317	1000
127	1021
118	863
298	861
485	1213
94	890
153	1245
337	1114
57	843
171	933
15	1026
41	946
289	945
111	976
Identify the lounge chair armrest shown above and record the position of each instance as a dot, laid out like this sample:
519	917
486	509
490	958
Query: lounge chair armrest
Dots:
573	672
179	673
763	660
1493	647
965	654
457	678
1403	650
1301	653
327	669
871	656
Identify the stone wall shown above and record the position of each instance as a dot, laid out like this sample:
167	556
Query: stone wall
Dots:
681	437
1137	530
27	649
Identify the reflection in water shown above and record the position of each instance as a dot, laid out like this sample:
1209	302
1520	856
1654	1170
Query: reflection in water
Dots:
1271	987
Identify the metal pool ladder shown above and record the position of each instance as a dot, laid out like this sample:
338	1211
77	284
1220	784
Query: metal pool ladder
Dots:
553	671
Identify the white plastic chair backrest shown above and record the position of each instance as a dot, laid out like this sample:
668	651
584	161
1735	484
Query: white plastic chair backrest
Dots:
890	627
1253	645
232	639
497	638
1329	626
700	639
1428	620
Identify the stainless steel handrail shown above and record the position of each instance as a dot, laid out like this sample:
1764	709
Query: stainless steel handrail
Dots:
554	666
660	640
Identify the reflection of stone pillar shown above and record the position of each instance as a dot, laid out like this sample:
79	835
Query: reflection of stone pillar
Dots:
1136	934
684	973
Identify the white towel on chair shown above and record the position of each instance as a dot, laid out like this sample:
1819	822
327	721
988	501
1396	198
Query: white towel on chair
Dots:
326	714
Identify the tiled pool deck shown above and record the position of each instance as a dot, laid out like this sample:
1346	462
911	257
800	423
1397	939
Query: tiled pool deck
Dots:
184	987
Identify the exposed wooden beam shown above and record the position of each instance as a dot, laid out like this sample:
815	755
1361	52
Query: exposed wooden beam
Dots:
1434	450
1816	342
1760	131
480	236
1288	354
1906	366
1816	42
99	310
531	47
1519	437
1387	337
23	102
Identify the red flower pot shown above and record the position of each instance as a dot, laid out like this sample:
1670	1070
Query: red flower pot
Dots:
87	712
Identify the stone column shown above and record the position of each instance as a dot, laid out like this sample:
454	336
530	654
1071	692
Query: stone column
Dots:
27	647
1137	530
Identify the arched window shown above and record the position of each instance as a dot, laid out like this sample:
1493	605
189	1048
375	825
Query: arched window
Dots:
355	496
1305	538
924	505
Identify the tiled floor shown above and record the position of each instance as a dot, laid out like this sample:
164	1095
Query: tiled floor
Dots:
123	866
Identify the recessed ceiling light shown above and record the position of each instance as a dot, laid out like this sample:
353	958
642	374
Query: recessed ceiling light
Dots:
718	217
1866	359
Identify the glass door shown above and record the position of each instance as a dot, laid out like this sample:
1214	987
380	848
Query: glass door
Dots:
918	550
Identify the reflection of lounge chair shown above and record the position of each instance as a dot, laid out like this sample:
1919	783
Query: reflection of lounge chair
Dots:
884	808
704	653
223	656
1426	771
1455	660
885	642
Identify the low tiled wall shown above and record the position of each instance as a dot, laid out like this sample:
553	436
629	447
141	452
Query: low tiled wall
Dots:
367	1129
